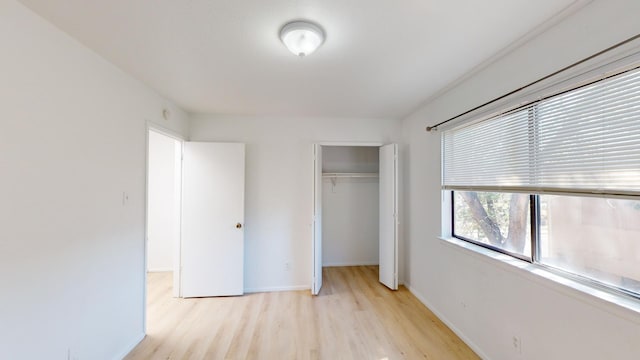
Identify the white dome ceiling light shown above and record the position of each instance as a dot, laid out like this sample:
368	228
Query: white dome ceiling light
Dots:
302	37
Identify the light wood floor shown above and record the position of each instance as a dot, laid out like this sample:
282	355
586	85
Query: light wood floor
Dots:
354	317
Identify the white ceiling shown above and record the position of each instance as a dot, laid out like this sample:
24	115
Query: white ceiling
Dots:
381	58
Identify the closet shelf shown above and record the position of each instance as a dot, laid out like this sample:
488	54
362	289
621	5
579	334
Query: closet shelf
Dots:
350	175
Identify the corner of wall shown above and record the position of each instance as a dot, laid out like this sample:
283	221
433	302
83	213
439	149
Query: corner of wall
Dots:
449	324
122	354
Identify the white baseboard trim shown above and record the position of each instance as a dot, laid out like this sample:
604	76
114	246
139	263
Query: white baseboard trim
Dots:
443	318
332	264
128	349
160	269
277	288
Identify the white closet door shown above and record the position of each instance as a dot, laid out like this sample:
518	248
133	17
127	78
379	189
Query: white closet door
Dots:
213	216
317	219
389	216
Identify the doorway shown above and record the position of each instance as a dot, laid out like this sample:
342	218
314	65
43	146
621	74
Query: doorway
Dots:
195	214
164	192
355	218
195	217
350	205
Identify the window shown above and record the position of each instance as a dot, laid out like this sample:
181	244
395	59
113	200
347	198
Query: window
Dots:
555	182
498	220
595	237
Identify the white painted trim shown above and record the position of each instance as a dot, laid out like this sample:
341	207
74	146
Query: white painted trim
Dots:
276	288
350	263
449	324
162	269
129	348
165	131
396	211
316	205
177	255
145	240
313	216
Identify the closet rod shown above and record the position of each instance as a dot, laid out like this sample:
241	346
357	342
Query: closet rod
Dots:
350	175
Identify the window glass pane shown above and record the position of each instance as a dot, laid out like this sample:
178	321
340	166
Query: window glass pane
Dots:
593	237
497	219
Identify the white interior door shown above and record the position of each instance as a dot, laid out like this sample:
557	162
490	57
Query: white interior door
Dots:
213	219
389	216
317	219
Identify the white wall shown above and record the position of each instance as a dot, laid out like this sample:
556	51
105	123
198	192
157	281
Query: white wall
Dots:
163	206
279	186
355	159
350	226
483	300
72	140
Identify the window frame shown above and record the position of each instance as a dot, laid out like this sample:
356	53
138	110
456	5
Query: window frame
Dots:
535	245
533	100
484	245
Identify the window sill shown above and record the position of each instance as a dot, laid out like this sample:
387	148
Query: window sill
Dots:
609	300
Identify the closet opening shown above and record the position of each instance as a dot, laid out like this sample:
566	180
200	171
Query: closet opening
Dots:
355	210
350	206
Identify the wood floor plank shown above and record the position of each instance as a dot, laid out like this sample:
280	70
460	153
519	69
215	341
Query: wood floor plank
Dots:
353	317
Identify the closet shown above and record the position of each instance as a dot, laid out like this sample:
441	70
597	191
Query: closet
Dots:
355	218
350	206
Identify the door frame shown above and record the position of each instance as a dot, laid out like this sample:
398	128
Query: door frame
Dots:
151	126
313	190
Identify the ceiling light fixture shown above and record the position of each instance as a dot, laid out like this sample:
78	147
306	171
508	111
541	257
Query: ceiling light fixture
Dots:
302	37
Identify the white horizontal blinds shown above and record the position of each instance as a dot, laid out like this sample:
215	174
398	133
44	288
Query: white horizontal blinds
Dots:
586	140
490	153
590	137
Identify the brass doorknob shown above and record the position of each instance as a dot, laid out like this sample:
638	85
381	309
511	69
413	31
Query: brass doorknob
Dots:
238	226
